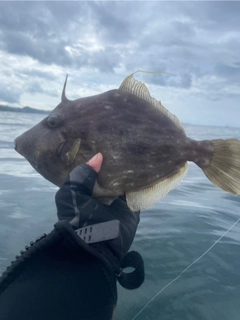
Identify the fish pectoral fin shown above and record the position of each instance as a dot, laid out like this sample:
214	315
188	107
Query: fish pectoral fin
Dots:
69	157
140	200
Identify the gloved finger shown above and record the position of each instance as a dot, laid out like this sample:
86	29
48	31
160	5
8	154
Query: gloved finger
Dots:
81	179
121	211
73	200
129	221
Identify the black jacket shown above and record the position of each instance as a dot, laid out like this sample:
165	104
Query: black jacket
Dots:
59	276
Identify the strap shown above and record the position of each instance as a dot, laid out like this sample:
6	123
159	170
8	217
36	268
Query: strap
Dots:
110	230
135	279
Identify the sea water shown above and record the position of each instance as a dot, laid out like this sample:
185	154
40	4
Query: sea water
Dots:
171	235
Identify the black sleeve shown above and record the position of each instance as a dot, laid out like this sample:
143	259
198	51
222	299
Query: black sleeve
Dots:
58	277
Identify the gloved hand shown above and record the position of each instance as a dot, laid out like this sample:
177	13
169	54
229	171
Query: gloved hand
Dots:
75	275
75	204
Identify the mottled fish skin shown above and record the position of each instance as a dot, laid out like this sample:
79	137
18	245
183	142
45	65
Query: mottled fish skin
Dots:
140	145
145	149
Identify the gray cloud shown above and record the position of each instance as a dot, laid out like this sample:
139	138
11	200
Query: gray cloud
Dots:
183	81
35	87
228	72
113	21
43	33
44	30
39	49
198	42
10	95
32	73
219	16
39	30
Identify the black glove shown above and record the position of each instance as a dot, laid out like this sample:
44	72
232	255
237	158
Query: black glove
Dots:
75	204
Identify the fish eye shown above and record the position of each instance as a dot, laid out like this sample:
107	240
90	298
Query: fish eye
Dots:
53	121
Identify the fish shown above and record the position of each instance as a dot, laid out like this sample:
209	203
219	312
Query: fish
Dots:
145	148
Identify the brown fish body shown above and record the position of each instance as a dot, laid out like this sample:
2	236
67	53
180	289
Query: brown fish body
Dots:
137	141
142	145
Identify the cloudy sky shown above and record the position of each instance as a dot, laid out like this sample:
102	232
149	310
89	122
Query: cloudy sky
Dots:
99	43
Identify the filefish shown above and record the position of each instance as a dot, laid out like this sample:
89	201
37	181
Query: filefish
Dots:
145	148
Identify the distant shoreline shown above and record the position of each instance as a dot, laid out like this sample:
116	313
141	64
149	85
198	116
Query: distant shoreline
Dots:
24	109
32	110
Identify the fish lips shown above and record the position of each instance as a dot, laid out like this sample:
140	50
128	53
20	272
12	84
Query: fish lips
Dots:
16	145
22	146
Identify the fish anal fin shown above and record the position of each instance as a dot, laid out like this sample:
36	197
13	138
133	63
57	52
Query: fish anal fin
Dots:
139	89
142	199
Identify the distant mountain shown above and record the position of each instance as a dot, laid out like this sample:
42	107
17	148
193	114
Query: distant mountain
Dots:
24	109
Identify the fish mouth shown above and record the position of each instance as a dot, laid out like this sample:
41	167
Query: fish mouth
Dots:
68	154
16	145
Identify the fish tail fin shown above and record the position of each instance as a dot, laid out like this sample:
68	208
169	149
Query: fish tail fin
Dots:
224	167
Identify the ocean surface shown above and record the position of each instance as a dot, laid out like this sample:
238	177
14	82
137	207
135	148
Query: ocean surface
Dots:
171	235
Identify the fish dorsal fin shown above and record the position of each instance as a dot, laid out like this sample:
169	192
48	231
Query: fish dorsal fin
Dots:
140	200
139	89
